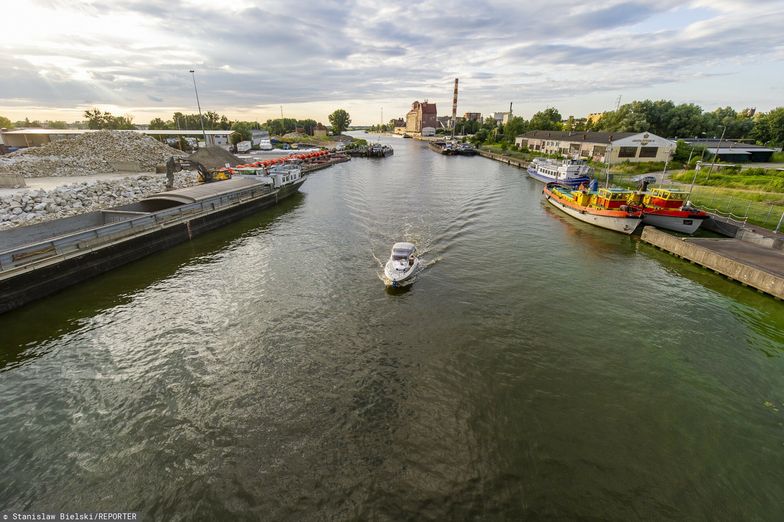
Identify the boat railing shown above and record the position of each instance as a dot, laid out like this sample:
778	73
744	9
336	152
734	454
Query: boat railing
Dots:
85	240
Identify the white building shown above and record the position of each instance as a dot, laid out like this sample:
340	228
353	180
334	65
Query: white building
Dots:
502	118
597	146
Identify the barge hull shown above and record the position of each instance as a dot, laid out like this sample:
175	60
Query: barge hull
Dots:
57	275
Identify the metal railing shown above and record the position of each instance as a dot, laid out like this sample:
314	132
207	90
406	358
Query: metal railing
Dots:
88	239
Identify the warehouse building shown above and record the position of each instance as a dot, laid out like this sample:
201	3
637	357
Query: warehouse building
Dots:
732	151
615	147
422	115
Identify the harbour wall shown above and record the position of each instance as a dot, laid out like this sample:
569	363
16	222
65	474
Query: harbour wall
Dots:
753	275
504	159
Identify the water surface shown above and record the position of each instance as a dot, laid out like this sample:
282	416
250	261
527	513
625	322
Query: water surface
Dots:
539	367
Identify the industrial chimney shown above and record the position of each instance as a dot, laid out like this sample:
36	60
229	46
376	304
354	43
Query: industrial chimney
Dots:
454	110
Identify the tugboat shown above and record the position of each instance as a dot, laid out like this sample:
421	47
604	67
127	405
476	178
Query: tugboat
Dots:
668	208
402	264
606	207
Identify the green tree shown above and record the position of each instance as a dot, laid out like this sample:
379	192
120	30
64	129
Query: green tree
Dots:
514	127
548	119
242	131
769	127
158	124
340	120
57	124
308	125
96	119
5	123
121	122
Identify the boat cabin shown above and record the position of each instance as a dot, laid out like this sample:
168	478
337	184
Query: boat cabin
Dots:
664	198
403	252
611	198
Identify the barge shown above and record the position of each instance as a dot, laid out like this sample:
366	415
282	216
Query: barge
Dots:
41	259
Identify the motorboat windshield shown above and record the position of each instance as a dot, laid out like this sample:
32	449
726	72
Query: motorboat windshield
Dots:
403	250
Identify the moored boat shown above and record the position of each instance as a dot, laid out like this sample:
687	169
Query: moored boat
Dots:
38	260
402	265
466	149
669	208
570	172
606	208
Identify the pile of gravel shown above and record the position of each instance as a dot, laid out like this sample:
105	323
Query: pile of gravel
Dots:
214	157
33	206
90	153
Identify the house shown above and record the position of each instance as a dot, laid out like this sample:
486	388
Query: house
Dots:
320	131
615	147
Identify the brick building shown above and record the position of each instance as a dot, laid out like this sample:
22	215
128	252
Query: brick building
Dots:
420	116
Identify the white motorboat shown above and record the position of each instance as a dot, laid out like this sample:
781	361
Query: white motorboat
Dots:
402	265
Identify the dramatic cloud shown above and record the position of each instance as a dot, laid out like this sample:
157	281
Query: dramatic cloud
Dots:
59	57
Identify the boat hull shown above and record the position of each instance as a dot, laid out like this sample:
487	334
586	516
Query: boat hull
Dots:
51	277
395	278
624	224
679	221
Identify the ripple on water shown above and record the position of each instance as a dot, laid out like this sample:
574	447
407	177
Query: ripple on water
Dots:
538	368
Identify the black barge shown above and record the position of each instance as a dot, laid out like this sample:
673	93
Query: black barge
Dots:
41	259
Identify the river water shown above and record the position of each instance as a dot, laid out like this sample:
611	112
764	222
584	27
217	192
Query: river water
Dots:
538	367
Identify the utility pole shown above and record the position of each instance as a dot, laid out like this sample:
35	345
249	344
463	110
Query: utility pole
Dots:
713	163
618	103
201	119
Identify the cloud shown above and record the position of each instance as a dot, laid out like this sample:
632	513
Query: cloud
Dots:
134	53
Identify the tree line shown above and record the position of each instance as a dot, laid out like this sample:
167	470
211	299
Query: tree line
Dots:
662	117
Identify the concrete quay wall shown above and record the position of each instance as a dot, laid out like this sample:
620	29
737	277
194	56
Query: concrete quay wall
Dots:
504	159
744	273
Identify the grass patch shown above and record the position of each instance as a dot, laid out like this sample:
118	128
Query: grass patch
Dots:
762	208
777	157
765	180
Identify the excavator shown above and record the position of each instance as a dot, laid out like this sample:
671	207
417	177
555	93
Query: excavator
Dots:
205	175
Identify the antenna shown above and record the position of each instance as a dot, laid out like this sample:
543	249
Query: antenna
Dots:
281	112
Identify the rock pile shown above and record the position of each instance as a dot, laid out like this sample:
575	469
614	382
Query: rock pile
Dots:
214	157
90	153
33	206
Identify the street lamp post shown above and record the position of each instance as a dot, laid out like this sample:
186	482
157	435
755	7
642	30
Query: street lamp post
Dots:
204	133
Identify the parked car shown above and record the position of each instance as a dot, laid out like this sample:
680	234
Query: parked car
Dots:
650	178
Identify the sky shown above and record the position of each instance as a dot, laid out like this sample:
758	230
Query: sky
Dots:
255	60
